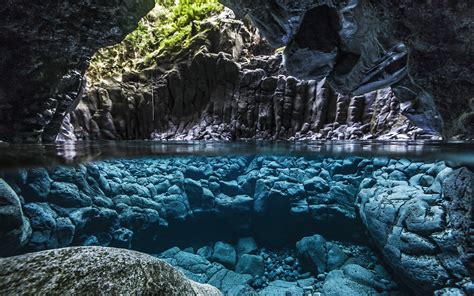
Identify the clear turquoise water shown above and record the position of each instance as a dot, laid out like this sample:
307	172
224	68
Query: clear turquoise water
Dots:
233	214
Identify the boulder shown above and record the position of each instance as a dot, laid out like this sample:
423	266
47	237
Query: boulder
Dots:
246	245
312	253
335	256
250	264
43	224
230	188
205	252
225	254
94	270
282	288
316	184
336	284
122	238
192	188
176	206
225	280
16	229
67	195
38	184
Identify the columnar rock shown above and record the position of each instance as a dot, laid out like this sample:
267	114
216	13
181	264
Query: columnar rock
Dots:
231	93
95	270
361	45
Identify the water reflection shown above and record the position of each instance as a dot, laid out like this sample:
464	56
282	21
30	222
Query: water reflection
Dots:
27	155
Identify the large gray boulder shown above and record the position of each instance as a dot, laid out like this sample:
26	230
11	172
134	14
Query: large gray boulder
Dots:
15	227
250	264
425	237
312	253
94	271
225	254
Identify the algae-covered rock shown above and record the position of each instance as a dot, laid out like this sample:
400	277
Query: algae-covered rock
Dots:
94	271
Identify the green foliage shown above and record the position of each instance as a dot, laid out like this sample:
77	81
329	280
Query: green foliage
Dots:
170	26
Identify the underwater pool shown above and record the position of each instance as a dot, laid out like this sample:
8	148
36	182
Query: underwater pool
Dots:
254	218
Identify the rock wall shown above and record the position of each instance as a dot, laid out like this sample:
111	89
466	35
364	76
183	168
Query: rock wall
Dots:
418	214
346	42
44	52
211	98
221	88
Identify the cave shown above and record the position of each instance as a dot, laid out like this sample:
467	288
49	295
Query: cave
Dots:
319	29
234	147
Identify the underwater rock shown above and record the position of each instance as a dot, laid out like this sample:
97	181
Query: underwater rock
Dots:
352	279
94	270
225	254
16	229
423	236
246	245
312	253
43	225
67	195
38	184
281	288
250	264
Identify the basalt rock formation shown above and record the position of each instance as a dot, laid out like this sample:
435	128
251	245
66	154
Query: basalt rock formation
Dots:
356	45
225	89
44	52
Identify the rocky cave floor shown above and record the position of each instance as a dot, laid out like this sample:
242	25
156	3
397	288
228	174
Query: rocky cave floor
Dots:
313	266
259	224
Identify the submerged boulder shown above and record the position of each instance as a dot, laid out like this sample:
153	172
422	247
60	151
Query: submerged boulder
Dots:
225	254
312	253
94	270
16	228
250	264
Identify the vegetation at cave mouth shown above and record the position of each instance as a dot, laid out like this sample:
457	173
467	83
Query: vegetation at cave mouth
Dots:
169	27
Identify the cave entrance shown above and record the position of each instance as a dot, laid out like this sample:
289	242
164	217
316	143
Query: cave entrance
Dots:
319	29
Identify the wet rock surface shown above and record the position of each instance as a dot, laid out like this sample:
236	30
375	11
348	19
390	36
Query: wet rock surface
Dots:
280	272
235	214
94	270
412	222
16	229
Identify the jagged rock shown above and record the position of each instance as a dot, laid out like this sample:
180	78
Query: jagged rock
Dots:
94	270
317	47
16	229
